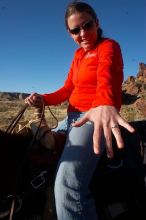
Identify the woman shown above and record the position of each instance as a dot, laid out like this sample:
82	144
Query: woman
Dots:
93	89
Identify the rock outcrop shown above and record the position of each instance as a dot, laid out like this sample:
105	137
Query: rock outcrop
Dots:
134	96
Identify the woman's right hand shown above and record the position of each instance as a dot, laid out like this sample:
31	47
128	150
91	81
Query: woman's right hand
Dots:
35	100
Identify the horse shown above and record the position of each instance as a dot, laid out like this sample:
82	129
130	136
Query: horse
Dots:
27	170
27	161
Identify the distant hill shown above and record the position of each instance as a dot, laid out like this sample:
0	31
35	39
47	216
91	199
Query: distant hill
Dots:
12	95
133	107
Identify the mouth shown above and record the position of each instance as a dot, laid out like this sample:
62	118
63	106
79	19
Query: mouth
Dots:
85	41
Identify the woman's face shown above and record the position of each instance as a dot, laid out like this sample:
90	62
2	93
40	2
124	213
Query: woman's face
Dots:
83	29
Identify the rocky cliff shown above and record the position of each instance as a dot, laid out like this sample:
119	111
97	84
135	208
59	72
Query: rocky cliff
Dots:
134	95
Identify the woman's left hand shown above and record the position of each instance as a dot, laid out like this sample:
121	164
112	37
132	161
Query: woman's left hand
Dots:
106	119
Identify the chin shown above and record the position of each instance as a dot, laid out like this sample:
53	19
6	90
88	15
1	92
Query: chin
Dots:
86	48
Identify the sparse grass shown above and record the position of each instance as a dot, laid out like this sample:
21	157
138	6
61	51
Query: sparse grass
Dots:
9	110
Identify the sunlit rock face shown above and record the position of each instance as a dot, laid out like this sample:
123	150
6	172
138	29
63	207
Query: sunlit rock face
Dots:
134	96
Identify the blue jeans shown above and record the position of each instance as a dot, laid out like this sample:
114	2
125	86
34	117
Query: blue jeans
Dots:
75	170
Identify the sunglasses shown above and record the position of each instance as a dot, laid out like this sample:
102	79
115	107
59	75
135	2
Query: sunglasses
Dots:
86	26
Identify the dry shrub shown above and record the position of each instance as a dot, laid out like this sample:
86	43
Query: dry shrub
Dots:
9	110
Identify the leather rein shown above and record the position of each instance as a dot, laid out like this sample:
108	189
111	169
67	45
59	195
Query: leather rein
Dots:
10	129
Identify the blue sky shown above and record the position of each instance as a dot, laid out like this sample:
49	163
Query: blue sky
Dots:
36	51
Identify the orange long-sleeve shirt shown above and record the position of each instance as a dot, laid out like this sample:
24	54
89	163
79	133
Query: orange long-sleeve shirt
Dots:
94	79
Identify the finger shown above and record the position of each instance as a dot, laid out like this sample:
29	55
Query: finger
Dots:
31	101
108	140
97	139
80	122
117	134
28	101
126	125
35	100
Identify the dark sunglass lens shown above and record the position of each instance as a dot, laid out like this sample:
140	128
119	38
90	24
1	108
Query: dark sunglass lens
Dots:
75	31
85	27
88	25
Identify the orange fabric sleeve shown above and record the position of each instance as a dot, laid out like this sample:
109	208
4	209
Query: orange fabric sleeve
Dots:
61	94
95	78
109	75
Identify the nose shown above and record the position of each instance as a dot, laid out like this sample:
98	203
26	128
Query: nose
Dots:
82	32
